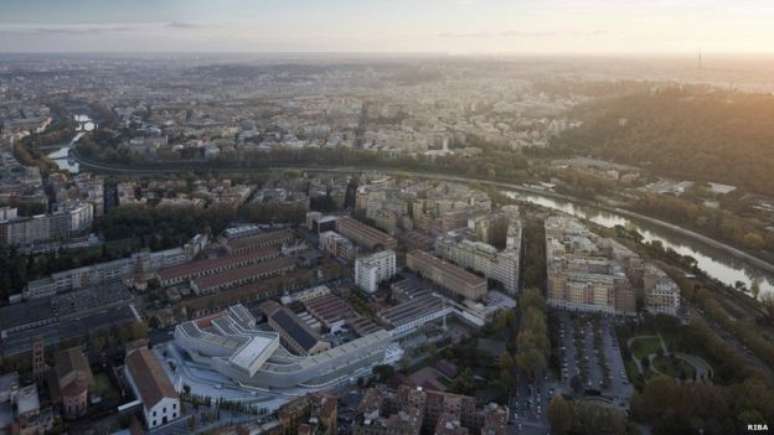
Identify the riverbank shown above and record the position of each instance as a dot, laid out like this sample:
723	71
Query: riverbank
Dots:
757	263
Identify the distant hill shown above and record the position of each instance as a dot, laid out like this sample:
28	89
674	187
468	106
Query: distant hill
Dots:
723	137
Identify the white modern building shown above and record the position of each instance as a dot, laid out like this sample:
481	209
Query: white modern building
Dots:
229	345
373	269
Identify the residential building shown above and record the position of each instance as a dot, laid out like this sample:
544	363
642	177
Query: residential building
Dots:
447	275
662	295
586	272
373	269
410	410
337	245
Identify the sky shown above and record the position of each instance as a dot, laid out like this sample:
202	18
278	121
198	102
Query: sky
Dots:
389	26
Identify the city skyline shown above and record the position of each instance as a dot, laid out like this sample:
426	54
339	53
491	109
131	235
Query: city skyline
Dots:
437	26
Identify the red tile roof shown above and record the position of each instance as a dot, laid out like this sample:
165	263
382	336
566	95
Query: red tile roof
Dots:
234	275
151	380
188	269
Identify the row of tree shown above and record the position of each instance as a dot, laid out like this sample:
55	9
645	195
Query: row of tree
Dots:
716	223
745	330
533	347
585	418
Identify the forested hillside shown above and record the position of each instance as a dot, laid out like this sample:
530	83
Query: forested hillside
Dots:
722	137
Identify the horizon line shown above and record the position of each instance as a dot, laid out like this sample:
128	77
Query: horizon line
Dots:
400	53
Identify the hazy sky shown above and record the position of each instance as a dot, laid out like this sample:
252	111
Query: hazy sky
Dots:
453	26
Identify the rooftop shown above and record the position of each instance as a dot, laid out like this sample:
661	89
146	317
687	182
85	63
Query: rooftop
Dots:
296	328
241	273
149	377
448	268
193	267
272	238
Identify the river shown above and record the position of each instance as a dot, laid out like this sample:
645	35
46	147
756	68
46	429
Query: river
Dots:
61	157
715	263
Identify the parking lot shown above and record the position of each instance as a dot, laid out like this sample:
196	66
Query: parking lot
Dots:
590	358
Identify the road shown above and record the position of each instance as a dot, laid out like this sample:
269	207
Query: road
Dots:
753	260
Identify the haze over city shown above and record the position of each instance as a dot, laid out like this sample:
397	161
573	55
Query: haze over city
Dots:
439	26
386	217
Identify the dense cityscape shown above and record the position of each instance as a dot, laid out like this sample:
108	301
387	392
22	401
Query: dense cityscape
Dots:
386	244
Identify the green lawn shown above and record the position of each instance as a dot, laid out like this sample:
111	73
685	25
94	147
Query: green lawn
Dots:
104	388
674	367
642	347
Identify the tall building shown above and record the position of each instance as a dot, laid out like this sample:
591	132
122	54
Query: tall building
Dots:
447	275
373	269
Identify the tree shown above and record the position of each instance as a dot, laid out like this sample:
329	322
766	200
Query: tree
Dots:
463	383
767	300
532	361
504	319
383	372
754	241
560	414
593	419
755	287
532	297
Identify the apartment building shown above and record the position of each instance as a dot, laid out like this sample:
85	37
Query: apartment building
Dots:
447	275
373	269
484	258
60	225
414	410
337	245
585	273
662	295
